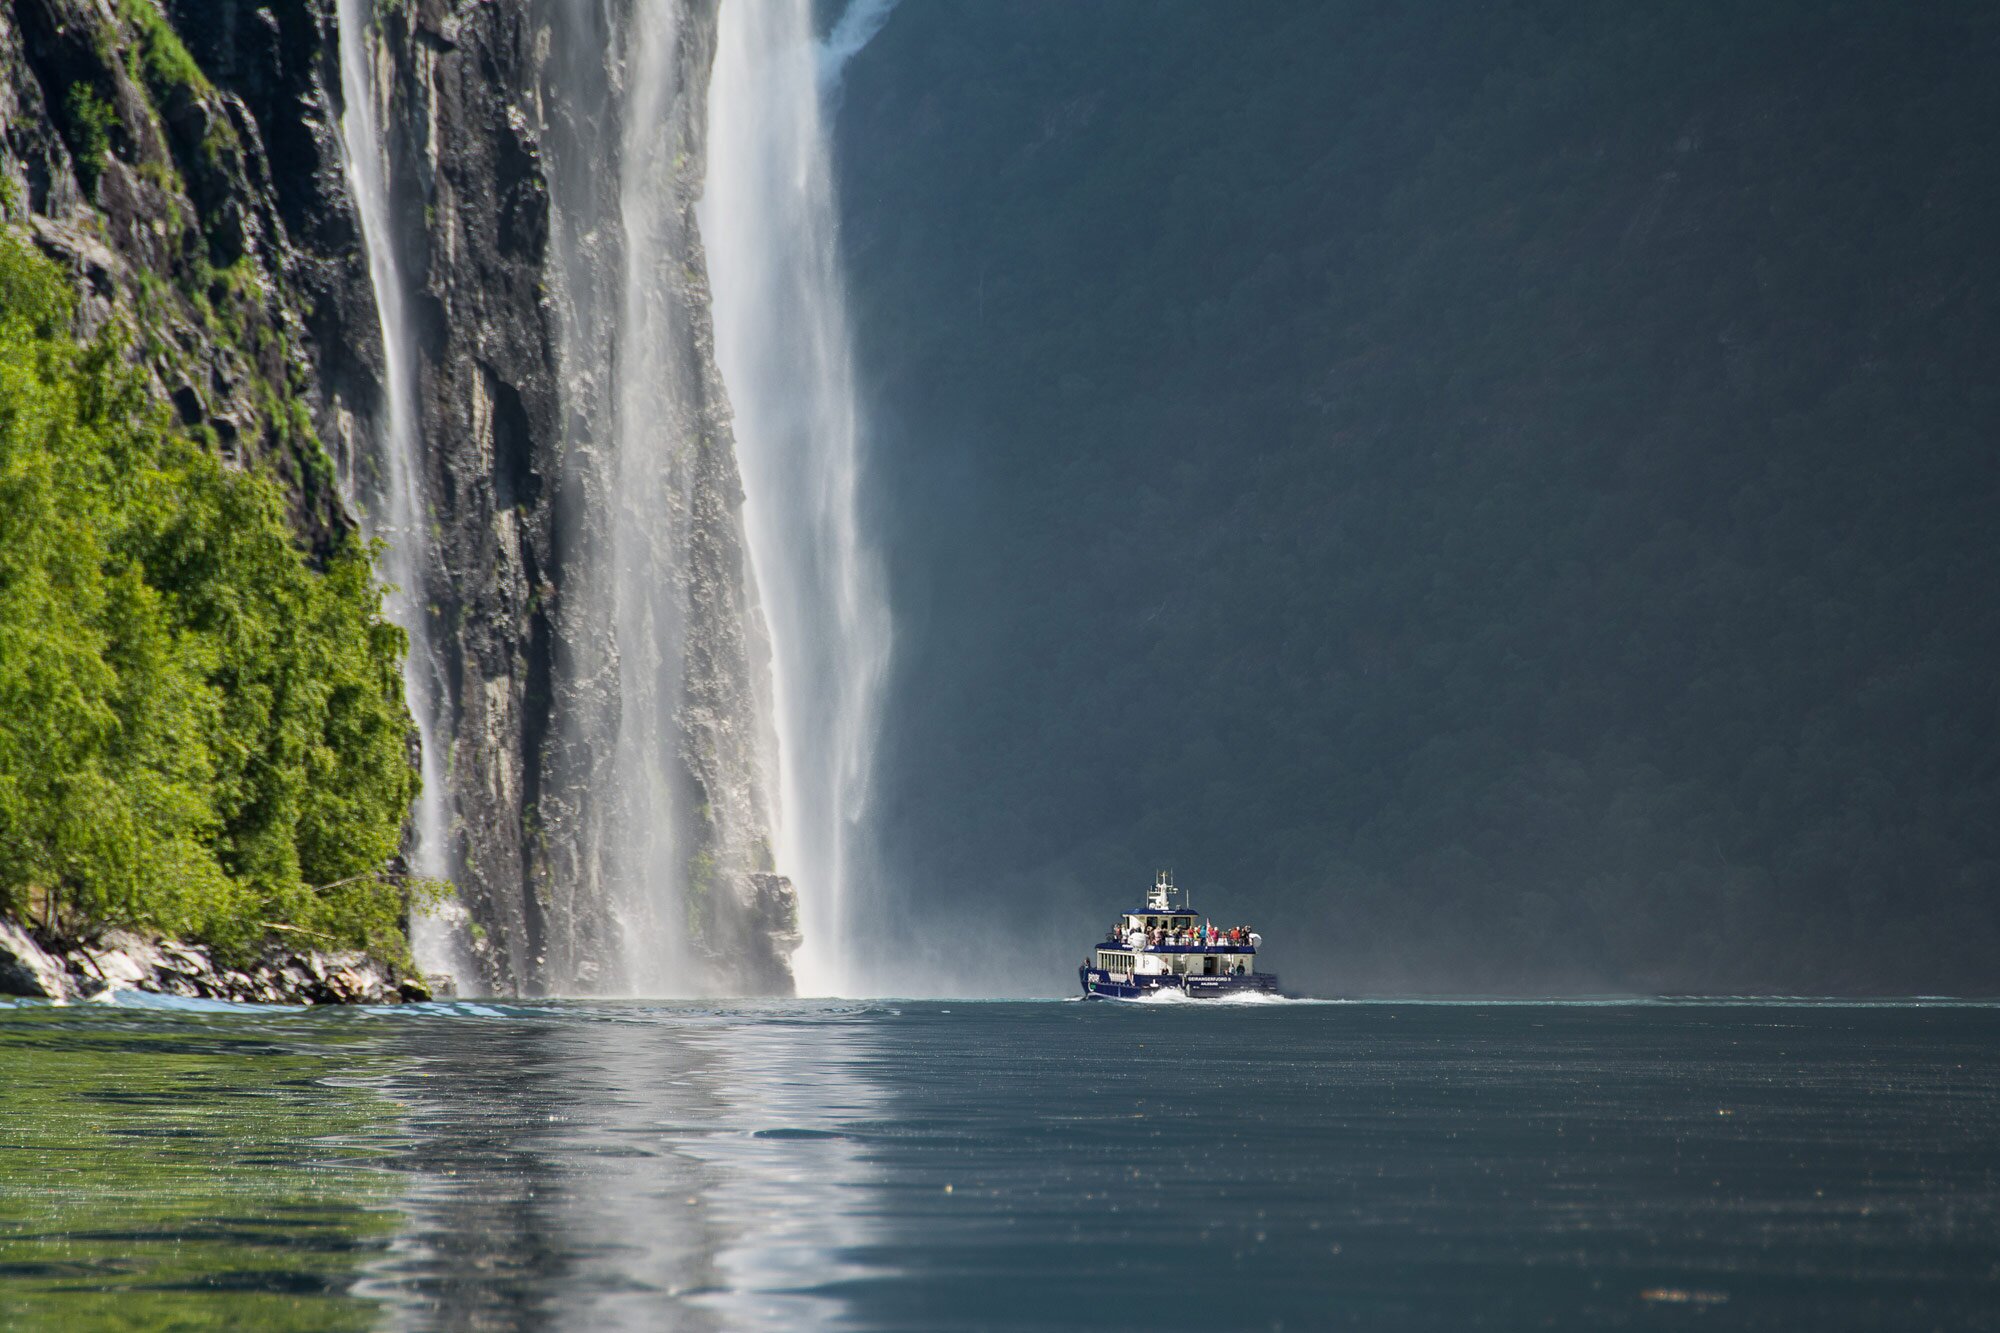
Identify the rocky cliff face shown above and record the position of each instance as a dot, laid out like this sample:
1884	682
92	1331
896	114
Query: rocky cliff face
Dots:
587	583
605	749
469	220
185	173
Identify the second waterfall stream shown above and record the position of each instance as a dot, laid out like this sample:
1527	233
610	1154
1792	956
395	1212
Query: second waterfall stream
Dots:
768	217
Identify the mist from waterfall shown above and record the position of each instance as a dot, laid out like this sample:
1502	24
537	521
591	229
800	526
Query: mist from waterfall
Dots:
855	28
389	495
782	343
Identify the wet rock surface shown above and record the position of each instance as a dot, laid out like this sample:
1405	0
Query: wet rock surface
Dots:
37	968
28	969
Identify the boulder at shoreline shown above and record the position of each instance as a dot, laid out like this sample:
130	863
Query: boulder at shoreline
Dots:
37	968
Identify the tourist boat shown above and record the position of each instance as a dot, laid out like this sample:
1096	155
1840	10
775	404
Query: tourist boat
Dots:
1167	948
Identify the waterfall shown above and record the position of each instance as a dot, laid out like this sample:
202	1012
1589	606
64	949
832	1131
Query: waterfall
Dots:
391	499
665	875
655	419
718	634
782	344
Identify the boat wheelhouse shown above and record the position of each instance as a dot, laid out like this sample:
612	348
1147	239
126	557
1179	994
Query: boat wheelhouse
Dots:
1166	946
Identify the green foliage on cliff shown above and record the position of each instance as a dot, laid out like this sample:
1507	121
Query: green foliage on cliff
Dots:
198	732
159	58
91	119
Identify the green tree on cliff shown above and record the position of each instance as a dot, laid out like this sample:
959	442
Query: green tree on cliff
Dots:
199	732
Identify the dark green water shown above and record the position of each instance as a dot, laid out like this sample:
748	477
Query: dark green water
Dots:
1010	1166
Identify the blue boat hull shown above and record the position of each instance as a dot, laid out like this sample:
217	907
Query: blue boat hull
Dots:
1100	985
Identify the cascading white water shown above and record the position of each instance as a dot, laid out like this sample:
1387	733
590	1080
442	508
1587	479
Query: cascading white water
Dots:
768	220
654	822
391	502
648	874
659	729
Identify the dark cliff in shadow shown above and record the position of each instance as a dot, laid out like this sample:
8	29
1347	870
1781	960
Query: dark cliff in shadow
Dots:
1502	497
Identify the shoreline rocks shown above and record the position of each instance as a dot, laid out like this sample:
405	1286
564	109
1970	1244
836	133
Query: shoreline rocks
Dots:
66	970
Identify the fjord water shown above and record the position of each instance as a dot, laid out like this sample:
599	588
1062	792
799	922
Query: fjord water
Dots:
792	1165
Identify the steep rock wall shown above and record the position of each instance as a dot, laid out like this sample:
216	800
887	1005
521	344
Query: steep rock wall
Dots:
591	856
141	150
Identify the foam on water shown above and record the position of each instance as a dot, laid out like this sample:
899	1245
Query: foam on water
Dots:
1239	999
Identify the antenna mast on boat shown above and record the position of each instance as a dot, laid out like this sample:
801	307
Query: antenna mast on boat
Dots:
1161	899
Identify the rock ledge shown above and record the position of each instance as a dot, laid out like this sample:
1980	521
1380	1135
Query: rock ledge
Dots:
124	960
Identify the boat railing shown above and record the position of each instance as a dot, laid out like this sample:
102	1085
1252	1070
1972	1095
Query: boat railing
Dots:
1180	946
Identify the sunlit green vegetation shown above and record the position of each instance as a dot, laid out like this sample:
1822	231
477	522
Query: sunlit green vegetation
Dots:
161	59
91	120
200	732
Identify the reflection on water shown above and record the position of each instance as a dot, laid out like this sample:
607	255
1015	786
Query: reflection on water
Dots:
183	1171
592	1168
924	1167
459	1166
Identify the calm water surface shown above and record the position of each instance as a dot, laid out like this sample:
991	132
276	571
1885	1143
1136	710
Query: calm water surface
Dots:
930	1166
